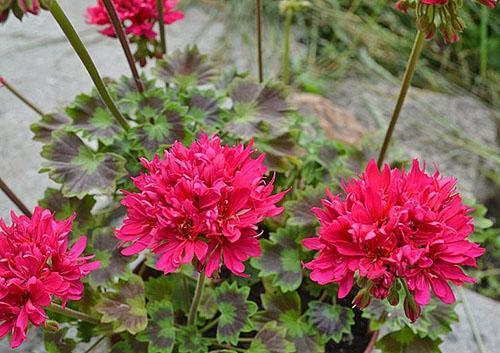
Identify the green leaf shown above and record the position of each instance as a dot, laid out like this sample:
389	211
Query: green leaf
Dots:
204	109
128	344
160	333
435	321
281	260
258	110
186	68
299	209
164	129
190	340
48	124
57	342
235	312
271	339
332	321
65	207
80	170
125	308
91	116
405	341
285	308
113	263
167	288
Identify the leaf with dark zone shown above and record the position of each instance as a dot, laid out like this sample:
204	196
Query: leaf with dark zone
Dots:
125	308
113	263
299	209
190	340
48	124
281	259
235	312
58	342
186	68
80	170
257	109
204	109
65	207
271	339
332	321
405	341
90	115
160	333
164	129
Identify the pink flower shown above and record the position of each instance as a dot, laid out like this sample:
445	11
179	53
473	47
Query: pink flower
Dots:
490	3
200	203
138	16
36	265
394	225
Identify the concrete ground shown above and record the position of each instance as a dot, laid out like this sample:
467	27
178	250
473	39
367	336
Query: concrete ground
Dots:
35	58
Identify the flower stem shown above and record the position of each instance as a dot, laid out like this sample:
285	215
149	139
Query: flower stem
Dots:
161	22
258	24
408	76
84	56
185	291
21	97
210	325
120	33
286	54
196	299
483	54
56	308
13	197
472	321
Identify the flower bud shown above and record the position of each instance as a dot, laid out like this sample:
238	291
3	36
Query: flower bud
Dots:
51	325
412	309
362	299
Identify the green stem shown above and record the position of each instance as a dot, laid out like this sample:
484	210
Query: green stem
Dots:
286	54
407	78
120	33
210	325
472	322
21	97
13	197
96	343
483	54
84	56
161	22
196	299
258	24
185	290
56	308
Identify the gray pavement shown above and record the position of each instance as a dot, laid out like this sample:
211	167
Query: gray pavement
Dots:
35	57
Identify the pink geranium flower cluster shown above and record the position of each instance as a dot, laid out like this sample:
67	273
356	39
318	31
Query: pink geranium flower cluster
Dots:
35	266
200	203
138	16
394	225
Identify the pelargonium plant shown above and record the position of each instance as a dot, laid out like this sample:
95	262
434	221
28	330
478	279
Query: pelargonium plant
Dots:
210	186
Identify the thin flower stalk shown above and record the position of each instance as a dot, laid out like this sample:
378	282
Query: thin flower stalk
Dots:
161	23
258	20
196	299
14	198
407	78
286	52
120	33
73	314
84	56
22	98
